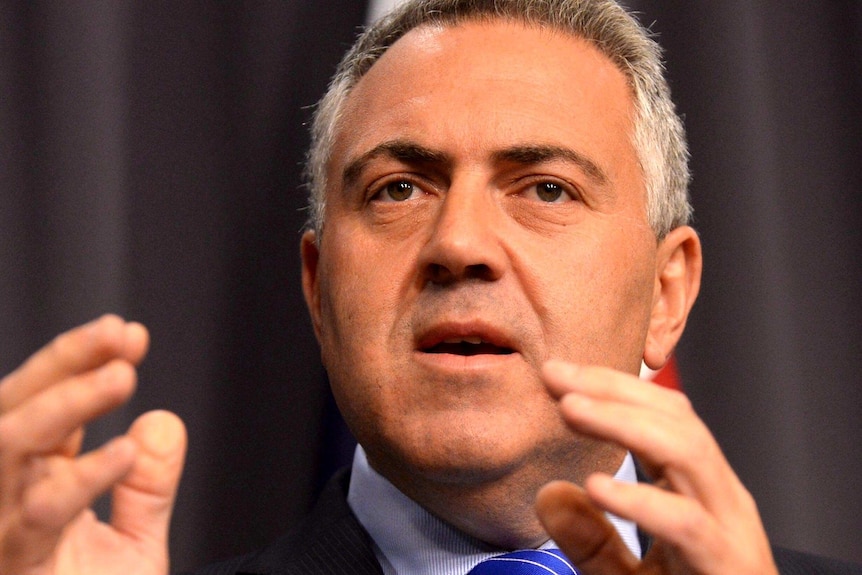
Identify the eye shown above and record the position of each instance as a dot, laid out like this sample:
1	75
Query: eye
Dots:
397	191
549	192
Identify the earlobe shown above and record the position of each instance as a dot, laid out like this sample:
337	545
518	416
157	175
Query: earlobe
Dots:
310	253
678	268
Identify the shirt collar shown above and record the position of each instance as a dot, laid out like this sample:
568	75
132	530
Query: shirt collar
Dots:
411	541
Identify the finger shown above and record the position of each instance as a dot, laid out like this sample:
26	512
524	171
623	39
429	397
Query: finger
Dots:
672	517
681	523
55	416
605	383
71	447
661	438
67	488
71	485
143	501
582	531
72	353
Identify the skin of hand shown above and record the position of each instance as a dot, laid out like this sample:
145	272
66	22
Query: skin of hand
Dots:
701	517
47	485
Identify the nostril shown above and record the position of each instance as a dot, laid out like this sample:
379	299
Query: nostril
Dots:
439	274
479	271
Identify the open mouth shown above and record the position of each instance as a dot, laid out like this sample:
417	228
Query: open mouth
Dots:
468	346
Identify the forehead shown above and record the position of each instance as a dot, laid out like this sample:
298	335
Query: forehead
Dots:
480	85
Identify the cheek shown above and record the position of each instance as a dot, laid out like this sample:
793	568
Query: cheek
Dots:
629	301
359	295
597	302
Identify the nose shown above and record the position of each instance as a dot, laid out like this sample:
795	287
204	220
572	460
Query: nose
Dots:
465	241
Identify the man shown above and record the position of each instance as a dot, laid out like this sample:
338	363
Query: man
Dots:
499	241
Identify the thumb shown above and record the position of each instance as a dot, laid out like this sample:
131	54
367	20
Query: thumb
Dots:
144	500
582	531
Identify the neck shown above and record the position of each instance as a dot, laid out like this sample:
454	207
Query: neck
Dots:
498	510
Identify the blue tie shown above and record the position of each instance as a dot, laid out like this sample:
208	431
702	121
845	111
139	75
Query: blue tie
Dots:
526	562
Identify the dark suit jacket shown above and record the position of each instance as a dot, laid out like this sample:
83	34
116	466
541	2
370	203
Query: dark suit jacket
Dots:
331	541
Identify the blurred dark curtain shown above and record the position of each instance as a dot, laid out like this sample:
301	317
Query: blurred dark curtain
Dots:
772	359
149	165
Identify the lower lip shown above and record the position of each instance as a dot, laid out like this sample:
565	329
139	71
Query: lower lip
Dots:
454	362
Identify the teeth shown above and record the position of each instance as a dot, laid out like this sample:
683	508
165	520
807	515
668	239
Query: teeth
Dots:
475	340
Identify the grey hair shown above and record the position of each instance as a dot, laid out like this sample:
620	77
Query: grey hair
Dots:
658	135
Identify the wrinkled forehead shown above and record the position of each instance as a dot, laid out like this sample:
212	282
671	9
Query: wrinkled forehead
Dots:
485	47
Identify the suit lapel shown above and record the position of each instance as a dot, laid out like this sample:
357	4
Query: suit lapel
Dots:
330	541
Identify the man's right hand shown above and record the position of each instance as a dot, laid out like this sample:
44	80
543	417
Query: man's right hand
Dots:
47	486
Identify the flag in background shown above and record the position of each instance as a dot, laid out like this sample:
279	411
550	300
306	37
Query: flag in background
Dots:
667	376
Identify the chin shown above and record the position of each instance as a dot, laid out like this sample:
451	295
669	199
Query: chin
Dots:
470	454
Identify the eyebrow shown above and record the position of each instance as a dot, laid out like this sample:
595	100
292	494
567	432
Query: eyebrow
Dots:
538	154
529	154
403	151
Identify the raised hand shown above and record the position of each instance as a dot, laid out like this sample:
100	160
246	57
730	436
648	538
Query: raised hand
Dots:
701	517
47	485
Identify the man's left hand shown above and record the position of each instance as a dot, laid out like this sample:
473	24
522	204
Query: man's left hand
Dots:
701	517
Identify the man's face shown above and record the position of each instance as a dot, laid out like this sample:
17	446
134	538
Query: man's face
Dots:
485	213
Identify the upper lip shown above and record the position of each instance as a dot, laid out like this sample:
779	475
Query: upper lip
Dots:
466	332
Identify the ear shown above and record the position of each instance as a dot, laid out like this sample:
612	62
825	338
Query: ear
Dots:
678	267
310	253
